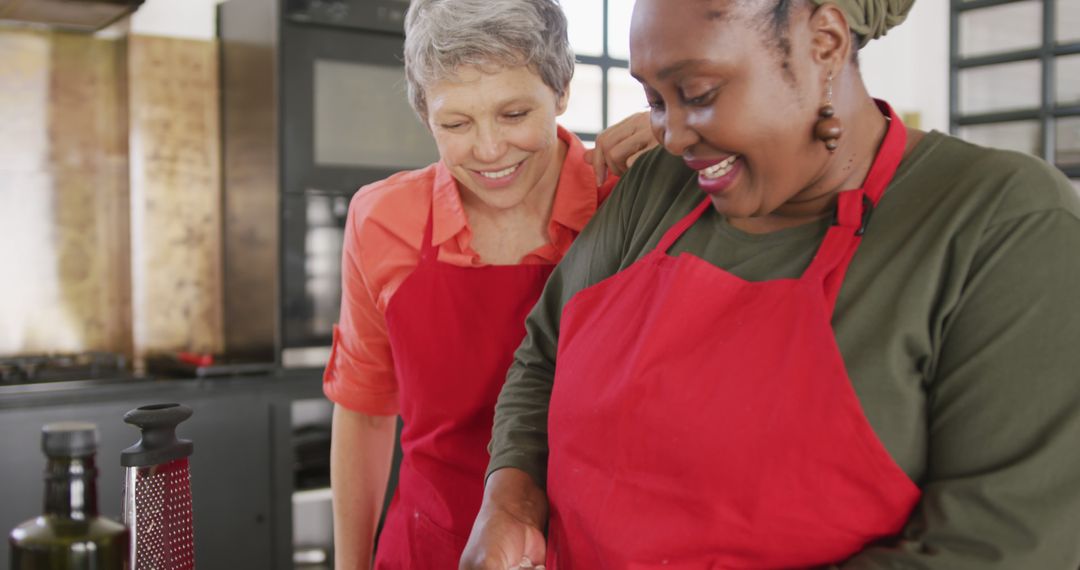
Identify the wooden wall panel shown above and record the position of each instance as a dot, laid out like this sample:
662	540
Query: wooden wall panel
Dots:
110	200
88	131
175	194
64	271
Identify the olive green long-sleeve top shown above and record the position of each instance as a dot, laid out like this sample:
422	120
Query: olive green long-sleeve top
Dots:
958	321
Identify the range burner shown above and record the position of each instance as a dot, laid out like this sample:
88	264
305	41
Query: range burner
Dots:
62	367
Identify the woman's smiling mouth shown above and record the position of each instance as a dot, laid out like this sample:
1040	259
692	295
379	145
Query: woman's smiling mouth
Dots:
719	169
499	178
716	176
496	174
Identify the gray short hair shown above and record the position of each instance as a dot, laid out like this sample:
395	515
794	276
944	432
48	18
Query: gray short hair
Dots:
444	35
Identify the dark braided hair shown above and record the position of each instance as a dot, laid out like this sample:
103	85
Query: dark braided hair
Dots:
777	21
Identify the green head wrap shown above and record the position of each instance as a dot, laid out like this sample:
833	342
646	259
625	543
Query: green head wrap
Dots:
871	19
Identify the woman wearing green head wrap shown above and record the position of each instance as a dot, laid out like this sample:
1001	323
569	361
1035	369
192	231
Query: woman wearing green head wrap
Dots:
871	19
799	335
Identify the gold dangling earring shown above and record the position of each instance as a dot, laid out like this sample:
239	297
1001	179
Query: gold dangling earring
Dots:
828	127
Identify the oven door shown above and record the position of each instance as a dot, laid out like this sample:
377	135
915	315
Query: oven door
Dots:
346	122
314	225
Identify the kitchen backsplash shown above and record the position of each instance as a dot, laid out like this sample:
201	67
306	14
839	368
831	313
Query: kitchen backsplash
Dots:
175	194
109	194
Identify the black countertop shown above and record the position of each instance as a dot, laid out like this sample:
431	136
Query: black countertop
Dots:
304	382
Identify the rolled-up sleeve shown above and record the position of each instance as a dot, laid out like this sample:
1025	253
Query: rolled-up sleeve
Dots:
360	372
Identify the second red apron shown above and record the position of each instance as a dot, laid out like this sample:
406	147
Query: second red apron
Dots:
453	331
699	420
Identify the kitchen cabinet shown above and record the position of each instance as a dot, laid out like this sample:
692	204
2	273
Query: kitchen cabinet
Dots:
241	471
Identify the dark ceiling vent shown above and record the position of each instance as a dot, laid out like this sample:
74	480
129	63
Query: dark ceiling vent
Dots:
74	15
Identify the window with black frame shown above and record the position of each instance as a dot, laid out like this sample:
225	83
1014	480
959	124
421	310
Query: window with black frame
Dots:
1015	77
602	91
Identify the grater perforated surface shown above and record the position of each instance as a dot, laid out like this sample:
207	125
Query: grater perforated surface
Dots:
163	526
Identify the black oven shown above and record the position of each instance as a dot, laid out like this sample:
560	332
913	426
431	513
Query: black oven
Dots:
341	119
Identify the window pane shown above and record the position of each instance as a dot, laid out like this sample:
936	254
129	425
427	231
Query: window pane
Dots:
584	113
619	28
585	25
1004	87
1068	21
625	95
1068	142
1008	27
1068	80
1023	136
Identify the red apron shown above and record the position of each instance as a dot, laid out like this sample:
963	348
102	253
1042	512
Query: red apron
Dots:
699	420
453	331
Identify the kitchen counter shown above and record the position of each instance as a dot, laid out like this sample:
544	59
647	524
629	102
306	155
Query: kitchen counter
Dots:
303	382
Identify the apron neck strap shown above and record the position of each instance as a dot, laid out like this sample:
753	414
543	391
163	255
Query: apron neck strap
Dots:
854	209
854	206
681	226
889	155
427	250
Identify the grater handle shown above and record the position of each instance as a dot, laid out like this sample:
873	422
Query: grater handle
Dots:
159	443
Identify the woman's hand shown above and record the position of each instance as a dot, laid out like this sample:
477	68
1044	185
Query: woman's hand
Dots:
620	145
509	528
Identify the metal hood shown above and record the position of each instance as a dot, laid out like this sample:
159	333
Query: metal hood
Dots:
74	15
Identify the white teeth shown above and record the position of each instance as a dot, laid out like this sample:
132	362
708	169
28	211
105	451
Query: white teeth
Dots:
499	173
719	169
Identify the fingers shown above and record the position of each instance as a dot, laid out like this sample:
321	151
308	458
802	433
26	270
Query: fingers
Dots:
618	156
535	546
501	542
527	563
608	143
595	157
621	144
633	158
483	562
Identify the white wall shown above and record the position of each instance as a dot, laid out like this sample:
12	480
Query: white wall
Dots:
193	19
909	67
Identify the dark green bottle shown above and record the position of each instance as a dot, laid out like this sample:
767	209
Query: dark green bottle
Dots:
69	535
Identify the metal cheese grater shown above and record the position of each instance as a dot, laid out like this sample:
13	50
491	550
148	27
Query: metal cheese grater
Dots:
157	490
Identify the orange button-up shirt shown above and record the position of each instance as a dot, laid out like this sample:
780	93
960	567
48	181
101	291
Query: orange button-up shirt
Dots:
383	232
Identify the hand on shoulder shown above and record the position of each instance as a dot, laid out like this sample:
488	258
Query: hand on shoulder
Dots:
620	145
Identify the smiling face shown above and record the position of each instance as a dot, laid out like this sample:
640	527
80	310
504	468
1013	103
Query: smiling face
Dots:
496	132
726	98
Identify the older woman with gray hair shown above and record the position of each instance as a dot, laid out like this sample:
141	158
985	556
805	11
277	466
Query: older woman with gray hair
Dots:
441	265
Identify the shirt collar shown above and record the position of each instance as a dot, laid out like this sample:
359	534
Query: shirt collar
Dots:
448	214
576	198
575	201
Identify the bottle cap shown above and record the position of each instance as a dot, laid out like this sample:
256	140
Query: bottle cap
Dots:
69	439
